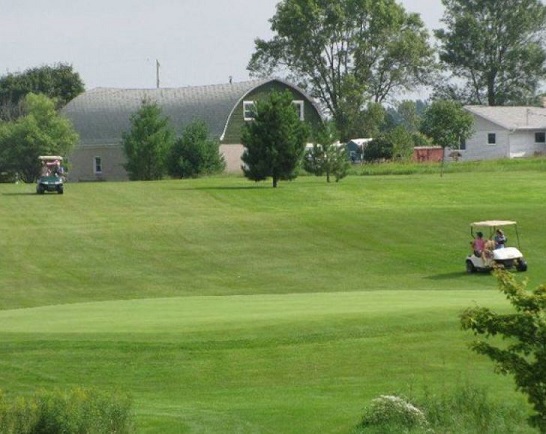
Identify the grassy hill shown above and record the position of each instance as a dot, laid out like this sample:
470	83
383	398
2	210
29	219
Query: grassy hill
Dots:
222	305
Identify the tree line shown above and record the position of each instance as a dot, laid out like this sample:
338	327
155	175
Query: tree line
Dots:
350	54
356	57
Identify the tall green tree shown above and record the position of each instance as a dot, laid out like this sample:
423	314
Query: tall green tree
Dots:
369	121
195	153
59	82
327	157
523	352
495	48
147	143
402	143
407	114
274	141
448	124
40	131
346	52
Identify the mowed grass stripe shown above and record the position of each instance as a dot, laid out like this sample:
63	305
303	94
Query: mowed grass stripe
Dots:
227	236
177	315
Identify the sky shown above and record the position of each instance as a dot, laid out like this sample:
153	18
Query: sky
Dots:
116	43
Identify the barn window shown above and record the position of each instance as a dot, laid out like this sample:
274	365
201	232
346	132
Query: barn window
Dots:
97	165
540	137
249	110
300	108
491	138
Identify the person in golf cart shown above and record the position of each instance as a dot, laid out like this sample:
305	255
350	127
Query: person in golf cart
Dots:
478	244
500	239
54	167
50	168
45	169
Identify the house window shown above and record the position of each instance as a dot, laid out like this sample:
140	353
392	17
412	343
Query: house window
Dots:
462	145
249	110
300	109
540	137
97	165
491	139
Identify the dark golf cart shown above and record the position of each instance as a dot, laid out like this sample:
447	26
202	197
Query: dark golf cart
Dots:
51	178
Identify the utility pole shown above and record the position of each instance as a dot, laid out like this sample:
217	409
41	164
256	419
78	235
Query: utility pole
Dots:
157	72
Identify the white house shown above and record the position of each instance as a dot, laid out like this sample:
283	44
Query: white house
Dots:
505	132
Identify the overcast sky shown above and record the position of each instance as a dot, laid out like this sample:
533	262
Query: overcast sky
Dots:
115	43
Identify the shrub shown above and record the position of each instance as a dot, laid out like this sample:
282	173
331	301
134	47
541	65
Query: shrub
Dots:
75	411
395	413
195	154
378	149
470	409
466	410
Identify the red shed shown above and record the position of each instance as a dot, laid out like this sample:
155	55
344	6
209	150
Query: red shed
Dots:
426	154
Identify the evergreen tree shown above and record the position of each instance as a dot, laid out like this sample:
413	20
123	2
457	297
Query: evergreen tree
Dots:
327	157
274	141
147	142
195	154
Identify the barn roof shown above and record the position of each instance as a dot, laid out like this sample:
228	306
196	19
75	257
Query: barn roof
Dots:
512	118
102	114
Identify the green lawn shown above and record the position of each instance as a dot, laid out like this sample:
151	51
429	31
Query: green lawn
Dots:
226	306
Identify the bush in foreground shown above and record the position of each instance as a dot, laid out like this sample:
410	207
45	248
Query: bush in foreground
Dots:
391	413
74	411
467	410
471	409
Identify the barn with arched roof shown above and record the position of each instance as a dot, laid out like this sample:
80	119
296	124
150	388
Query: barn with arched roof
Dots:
102	115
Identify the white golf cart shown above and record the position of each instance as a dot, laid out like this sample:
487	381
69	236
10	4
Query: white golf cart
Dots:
51	176
491	257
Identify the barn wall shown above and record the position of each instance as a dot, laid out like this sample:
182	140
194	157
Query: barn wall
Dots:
236	122
232	155
81	163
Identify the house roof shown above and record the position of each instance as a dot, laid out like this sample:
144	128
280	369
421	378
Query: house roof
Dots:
102	114
360	142
512	118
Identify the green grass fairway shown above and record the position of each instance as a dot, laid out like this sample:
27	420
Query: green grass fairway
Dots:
224	306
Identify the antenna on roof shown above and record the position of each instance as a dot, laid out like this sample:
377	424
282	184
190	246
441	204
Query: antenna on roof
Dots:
157	72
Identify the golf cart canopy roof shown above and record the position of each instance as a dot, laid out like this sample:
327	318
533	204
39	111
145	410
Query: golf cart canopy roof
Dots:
493	223
50	157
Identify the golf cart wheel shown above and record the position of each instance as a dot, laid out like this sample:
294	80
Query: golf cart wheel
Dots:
521	265
470	267
60	190
40	190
